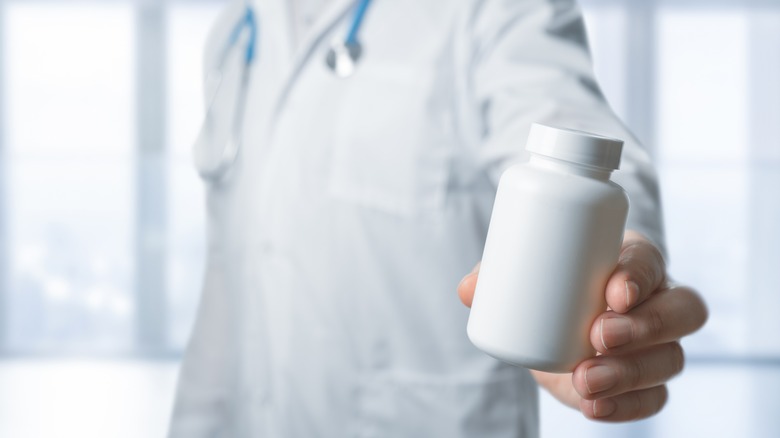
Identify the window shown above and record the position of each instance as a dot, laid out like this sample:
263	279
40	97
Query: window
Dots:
102	211
69	151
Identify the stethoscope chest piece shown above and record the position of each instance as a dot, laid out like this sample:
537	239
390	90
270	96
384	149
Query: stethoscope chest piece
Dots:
342	57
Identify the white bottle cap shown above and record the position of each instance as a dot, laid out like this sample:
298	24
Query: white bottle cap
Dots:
575	146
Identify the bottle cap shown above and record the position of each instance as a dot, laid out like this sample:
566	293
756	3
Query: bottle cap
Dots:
577	147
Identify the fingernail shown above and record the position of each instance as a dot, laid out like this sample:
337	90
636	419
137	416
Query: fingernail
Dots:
600	378
462	280
604	407
615	332
632	293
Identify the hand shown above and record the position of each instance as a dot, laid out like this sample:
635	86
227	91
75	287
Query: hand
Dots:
636	338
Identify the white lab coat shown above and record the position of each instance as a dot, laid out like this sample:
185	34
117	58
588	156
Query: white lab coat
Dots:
338	238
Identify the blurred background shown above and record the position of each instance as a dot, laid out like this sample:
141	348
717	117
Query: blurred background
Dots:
102	227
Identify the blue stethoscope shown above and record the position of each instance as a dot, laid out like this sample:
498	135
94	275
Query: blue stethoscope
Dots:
341	58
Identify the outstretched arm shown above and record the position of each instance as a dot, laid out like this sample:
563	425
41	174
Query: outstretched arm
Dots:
637	338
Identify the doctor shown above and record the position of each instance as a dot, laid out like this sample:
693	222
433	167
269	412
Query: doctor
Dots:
351	153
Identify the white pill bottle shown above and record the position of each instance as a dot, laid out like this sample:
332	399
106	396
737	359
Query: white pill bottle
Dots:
554	239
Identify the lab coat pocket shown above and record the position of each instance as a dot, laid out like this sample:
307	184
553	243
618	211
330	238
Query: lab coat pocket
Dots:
429	405
390	151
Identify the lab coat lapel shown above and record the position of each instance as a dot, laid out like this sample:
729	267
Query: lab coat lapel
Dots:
334	12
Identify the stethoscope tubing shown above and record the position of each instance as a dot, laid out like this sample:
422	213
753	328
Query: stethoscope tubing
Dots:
357	22
229	153
249	21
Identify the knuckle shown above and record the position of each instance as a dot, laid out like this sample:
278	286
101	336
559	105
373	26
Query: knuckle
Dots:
636	407
643	404
644	264
663	397
628	256
657	256
642	274
700	307
677	357
634	372
655	323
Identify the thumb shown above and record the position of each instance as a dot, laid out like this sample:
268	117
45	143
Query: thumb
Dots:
467	285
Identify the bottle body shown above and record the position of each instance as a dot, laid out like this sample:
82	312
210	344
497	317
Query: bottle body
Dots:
554	239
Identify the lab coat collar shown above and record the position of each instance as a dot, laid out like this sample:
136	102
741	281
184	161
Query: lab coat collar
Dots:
333	14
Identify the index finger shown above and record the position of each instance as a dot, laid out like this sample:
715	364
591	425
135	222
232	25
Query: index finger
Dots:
641	270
